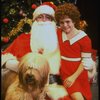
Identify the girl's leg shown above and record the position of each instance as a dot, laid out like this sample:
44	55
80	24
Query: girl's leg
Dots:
77	96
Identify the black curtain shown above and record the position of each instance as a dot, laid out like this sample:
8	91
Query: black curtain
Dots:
90	12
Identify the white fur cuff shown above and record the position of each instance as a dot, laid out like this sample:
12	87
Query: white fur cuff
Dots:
6	57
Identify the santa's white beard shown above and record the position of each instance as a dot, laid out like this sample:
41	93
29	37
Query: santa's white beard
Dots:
44	36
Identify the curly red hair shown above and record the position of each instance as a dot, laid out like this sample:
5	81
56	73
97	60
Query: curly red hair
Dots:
69	10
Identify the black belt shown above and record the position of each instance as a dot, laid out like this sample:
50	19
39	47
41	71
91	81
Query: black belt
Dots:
55	79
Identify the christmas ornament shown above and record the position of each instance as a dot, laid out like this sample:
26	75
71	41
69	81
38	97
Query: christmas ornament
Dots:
24	14
83	25
12	11
5	20
5	39
34	6
21	12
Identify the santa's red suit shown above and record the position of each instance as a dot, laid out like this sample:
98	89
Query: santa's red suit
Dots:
22	45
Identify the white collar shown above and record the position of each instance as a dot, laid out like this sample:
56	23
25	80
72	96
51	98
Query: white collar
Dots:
80	35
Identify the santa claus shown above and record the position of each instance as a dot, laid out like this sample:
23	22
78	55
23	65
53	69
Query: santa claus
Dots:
42	39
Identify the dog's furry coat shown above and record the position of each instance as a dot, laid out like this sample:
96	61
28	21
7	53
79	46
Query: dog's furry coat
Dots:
31	80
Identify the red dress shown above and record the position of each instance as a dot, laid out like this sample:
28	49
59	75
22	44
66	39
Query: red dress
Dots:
20	46
73	49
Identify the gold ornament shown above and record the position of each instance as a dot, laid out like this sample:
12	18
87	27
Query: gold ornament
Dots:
12	11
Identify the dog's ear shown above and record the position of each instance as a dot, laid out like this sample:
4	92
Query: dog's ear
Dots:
44	72
43	81
22	70
20	75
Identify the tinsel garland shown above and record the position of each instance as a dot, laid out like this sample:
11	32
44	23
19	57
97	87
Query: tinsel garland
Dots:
21	23
16	29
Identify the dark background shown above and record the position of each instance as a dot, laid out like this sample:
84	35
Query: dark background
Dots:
90	12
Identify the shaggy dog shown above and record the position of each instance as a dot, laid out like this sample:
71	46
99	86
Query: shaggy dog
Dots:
31	80
7	74
7	79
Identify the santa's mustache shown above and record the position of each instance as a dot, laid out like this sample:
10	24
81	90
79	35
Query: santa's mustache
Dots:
48	26
44	23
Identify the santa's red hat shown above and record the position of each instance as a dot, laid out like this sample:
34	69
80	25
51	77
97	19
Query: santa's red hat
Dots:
45	8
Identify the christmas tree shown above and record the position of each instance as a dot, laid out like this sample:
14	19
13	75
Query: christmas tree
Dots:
14	14
16	17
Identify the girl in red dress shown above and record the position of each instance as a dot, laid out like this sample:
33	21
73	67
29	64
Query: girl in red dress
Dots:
75	48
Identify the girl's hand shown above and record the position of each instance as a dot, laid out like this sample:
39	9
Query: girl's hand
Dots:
68	82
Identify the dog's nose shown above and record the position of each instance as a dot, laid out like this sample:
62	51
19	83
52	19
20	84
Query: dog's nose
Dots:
30	79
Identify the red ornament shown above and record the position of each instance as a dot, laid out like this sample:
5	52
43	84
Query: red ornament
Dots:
5	20
5	39
34	6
